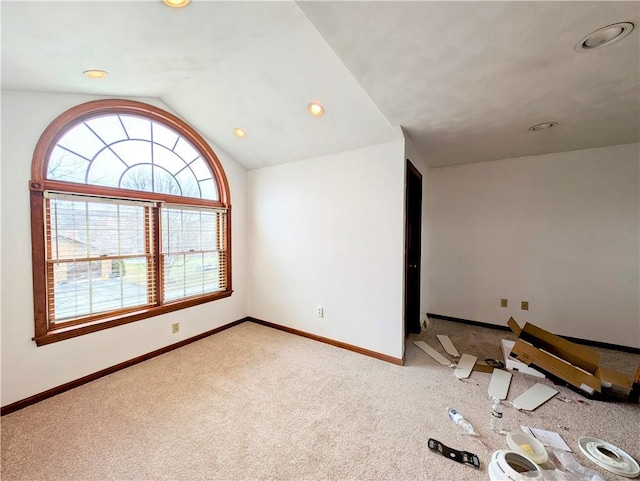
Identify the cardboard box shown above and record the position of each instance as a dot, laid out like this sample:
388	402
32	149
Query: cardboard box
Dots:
553	355
514	365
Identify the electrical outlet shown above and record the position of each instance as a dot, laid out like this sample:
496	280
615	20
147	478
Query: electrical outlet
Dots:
175	327
320	311
524	305
504	303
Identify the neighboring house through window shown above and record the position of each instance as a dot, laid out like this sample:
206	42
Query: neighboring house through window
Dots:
130	218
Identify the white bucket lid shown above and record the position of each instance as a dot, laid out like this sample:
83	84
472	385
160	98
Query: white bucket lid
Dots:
511	466
518	440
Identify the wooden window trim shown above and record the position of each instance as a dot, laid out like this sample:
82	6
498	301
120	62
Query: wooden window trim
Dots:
46	334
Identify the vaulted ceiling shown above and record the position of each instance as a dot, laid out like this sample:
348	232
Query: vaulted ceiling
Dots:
465	80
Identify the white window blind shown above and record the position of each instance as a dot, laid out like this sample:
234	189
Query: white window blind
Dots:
99	256
193	250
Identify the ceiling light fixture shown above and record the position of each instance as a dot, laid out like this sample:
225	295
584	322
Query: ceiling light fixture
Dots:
316	109
176	3
543	126
241	134
604	36
95	73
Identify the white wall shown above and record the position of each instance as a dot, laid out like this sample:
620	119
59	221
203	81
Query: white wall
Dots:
411	152
560	231
28	369
329	232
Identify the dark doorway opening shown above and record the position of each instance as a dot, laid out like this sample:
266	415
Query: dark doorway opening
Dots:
413	249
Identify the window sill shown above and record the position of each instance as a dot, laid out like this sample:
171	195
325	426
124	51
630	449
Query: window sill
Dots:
68	332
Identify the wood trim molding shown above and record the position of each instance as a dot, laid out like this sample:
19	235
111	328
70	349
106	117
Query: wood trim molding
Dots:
577	340
36	398
23	403
343	345
106	322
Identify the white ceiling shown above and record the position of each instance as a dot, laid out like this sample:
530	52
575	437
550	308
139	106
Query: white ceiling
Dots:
465	80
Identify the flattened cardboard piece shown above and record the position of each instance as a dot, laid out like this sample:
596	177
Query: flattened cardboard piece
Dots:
515	365
481	366
448	345
433	353
575	354
573	363
534	397
555	366
636	378
465	366
513	325
614	377
499	384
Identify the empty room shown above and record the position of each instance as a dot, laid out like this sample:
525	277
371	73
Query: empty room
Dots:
301	240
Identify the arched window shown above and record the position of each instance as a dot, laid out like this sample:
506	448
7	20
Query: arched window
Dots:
130	218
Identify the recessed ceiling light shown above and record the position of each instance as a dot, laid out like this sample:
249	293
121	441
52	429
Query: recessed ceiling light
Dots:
95	73
176	3
604	36
543	126
240	133
316	109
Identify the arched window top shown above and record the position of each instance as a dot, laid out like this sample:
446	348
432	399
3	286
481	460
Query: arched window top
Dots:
122	144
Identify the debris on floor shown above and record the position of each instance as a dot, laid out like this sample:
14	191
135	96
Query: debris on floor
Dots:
559	358
453	454
434	354
465	366
534	453
448	345
499	384
533	397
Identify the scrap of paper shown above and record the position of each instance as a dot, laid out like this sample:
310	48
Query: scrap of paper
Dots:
548	438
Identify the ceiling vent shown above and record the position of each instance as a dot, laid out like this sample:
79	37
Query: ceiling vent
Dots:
543	126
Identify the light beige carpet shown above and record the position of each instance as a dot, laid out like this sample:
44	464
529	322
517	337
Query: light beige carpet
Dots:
255	403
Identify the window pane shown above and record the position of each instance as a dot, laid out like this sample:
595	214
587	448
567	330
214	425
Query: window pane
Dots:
106	169
92	229
94	287
138	178
189	245
88	241
107	128
164	182
167	159
188	275
136	127
133	152
64	165
200	169
116	229
82	141
209	190
188	183
185	150
164	136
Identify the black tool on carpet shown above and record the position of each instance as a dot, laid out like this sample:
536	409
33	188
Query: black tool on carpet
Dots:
460	456
495	363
